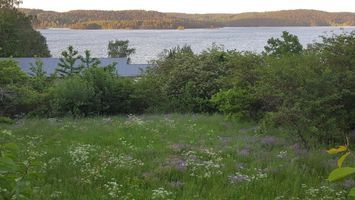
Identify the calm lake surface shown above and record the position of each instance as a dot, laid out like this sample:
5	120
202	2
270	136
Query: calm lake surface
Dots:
150	43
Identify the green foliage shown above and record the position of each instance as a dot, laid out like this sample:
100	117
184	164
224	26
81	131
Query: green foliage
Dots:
87	61
67	65
71	96
289	44
238	99
113	94
6	120
16	95
309	94
17	37
188	81
120	49
16	174
301	94
37	69
97	91
337	50
11	73
342	172
39	78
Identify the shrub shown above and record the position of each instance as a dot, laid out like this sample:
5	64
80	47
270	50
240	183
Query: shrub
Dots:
97	91
16	96
237	97
186	80
112	94
309	94
71	96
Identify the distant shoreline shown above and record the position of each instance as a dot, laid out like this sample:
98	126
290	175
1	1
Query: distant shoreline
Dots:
71	29
141	19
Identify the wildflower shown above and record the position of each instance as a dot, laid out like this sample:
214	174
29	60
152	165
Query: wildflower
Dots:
56	195
132	120
203	164
253	175
161	193
282	154
113	189
239	178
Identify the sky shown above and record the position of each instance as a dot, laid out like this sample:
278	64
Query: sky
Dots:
193	6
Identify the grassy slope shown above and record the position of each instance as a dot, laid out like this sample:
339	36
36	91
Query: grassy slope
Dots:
191	156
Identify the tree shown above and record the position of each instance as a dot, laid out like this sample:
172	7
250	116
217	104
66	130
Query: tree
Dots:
66	66
9	3
289	44
38	76
17	37
120	49
37	69
88	61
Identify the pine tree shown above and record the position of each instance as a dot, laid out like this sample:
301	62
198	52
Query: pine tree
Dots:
88	61
66	66
37	69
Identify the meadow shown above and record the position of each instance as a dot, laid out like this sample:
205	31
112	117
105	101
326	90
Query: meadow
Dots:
171	156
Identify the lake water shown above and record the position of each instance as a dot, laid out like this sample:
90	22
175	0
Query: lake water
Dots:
150	43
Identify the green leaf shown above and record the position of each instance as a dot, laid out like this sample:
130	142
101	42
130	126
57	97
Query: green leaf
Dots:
340	173
337	150
342	158
352	192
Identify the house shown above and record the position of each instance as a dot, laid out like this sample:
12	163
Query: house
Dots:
50	64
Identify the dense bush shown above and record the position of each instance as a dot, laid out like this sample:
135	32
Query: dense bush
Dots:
16	95
70	96
187	81
97	91
113	94
308	93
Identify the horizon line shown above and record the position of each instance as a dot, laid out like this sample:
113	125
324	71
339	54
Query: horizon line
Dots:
192	13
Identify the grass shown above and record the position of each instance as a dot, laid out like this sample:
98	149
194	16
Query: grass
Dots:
169	157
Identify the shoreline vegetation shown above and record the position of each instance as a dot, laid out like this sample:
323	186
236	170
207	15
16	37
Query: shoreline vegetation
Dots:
141	19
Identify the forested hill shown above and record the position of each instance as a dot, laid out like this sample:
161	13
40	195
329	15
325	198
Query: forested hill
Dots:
140	19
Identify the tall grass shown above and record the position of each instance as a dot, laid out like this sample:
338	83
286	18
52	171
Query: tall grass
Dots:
169	157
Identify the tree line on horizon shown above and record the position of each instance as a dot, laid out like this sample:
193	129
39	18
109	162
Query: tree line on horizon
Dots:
140	19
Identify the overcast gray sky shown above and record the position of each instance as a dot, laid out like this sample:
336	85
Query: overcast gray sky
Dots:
193	6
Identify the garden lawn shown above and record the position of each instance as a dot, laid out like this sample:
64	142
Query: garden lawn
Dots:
168	157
